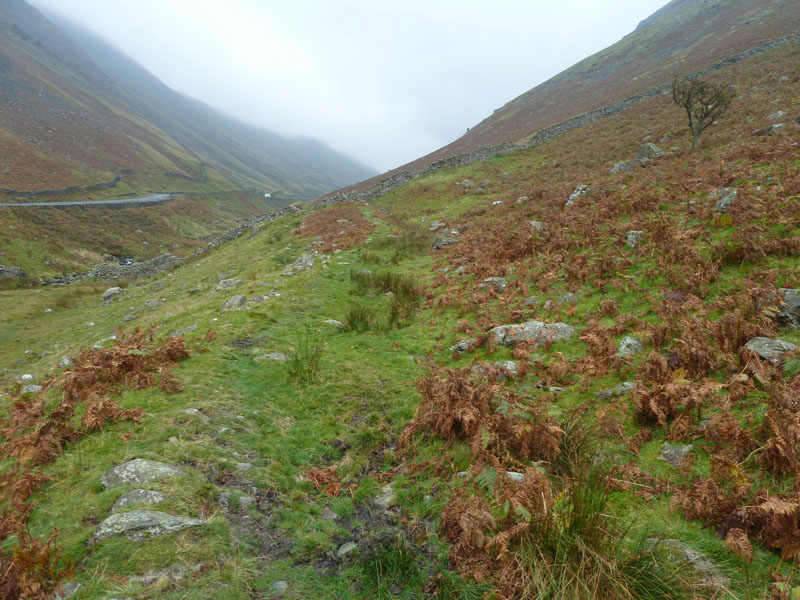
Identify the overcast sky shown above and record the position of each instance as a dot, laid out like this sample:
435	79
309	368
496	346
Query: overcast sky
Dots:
385	81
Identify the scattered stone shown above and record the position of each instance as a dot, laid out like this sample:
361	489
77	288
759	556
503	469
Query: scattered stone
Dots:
138	470
178	332
628	346
196	413
65	362
280	587
674	454
770	129
531	331
576	195
776	116
498	283
463	474
346	549
173	574
334	323
48	310
508	369
725	197
790	310
305	262
467	183
26	377
110	294
771	350
624	166
515	476
532	301
245	501
649	151
568	298
505	177
277	356
386	499
522	199
536	225
227	284
711	574
141	524
632	237
464	345
328	514
620	390
497	203
484	183
441	241
67	591
244	466
137	497
436	226
32	389
237	302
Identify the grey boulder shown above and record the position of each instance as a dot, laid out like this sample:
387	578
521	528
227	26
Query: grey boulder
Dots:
536	332
790	309
628	346
138	525
136	498
616	392
227	284
110	294
138	471
771	350
624	166
673	454
649	151
237	302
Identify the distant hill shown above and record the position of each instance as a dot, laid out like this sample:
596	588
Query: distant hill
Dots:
683	37
74	110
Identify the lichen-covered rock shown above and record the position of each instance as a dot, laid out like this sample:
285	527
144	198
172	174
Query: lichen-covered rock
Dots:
138	471
137	497
617	391
632	238
304	263
498	283
500	370
725	197
141	524
789	315
628	346
674	454
111	293
536	332
464	345
624	166
237	302
441	241
771	350
227	284
649	151
577	194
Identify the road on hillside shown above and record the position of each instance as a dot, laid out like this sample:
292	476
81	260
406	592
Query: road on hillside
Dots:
153	199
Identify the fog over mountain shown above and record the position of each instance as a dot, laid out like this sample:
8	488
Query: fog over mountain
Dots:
384	82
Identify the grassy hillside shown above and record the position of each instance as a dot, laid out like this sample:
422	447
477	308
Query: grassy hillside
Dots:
377	462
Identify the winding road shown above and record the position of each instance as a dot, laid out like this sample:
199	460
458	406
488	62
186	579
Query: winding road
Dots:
115	203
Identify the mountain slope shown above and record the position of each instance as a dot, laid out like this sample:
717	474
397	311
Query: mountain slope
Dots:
74	110
683	37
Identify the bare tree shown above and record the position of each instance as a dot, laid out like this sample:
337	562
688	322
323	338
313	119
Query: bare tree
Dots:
704	102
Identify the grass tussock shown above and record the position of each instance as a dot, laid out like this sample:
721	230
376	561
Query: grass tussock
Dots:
304	358
403	292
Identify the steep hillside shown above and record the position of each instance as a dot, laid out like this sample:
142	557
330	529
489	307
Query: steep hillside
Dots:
572	385
75	111
684	37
